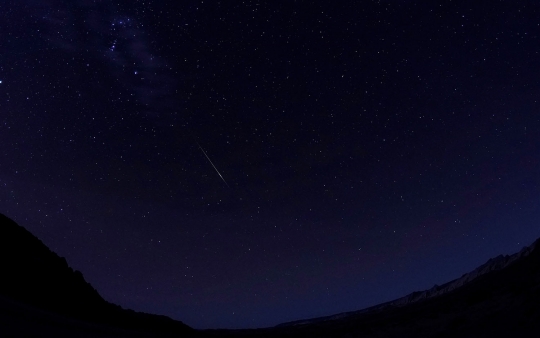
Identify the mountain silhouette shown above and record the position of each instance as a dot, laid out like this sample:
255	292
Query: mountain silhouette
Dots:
493	264
500	298
41	296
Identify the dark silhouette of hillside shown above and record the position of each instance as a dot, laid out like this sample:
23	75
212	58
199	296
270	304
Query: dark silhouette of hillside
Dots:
502	301
40	295
39	290
493	264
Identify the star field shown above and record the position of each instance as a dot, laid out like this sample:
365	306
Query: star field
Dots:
242	164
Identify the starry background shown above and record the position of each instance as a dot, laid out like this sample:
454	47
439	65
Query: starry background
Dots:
367	149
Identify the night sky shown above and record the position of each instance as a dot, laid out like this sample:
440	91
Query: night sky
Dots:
240	164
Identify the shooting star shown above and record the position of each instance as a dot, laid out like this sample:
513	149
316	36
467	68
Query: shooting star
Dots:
209	160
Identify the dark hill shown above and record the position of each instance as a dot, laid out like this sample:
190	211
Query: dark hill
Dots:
38	290
498	299
40	295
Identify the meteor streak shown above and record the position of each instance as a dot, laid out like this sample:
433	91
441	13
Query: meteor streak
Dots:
209	160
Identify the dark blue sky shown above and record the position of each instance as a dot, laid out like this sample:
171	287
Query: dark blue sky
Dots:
365	149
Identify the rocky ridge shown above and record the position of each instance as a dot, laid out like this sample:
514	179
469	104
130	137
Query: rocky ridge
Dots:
493	264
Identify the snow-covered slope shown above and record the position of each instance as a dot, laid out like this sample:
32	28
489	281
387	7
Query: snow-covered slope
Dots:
494	264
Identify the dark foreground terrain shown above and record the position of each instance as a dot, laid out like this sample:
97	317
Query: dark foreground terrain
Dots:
40	296
503	303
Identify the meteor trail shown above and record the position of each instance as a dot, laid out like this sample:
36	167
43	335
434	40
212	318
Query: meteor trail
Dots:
209	160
